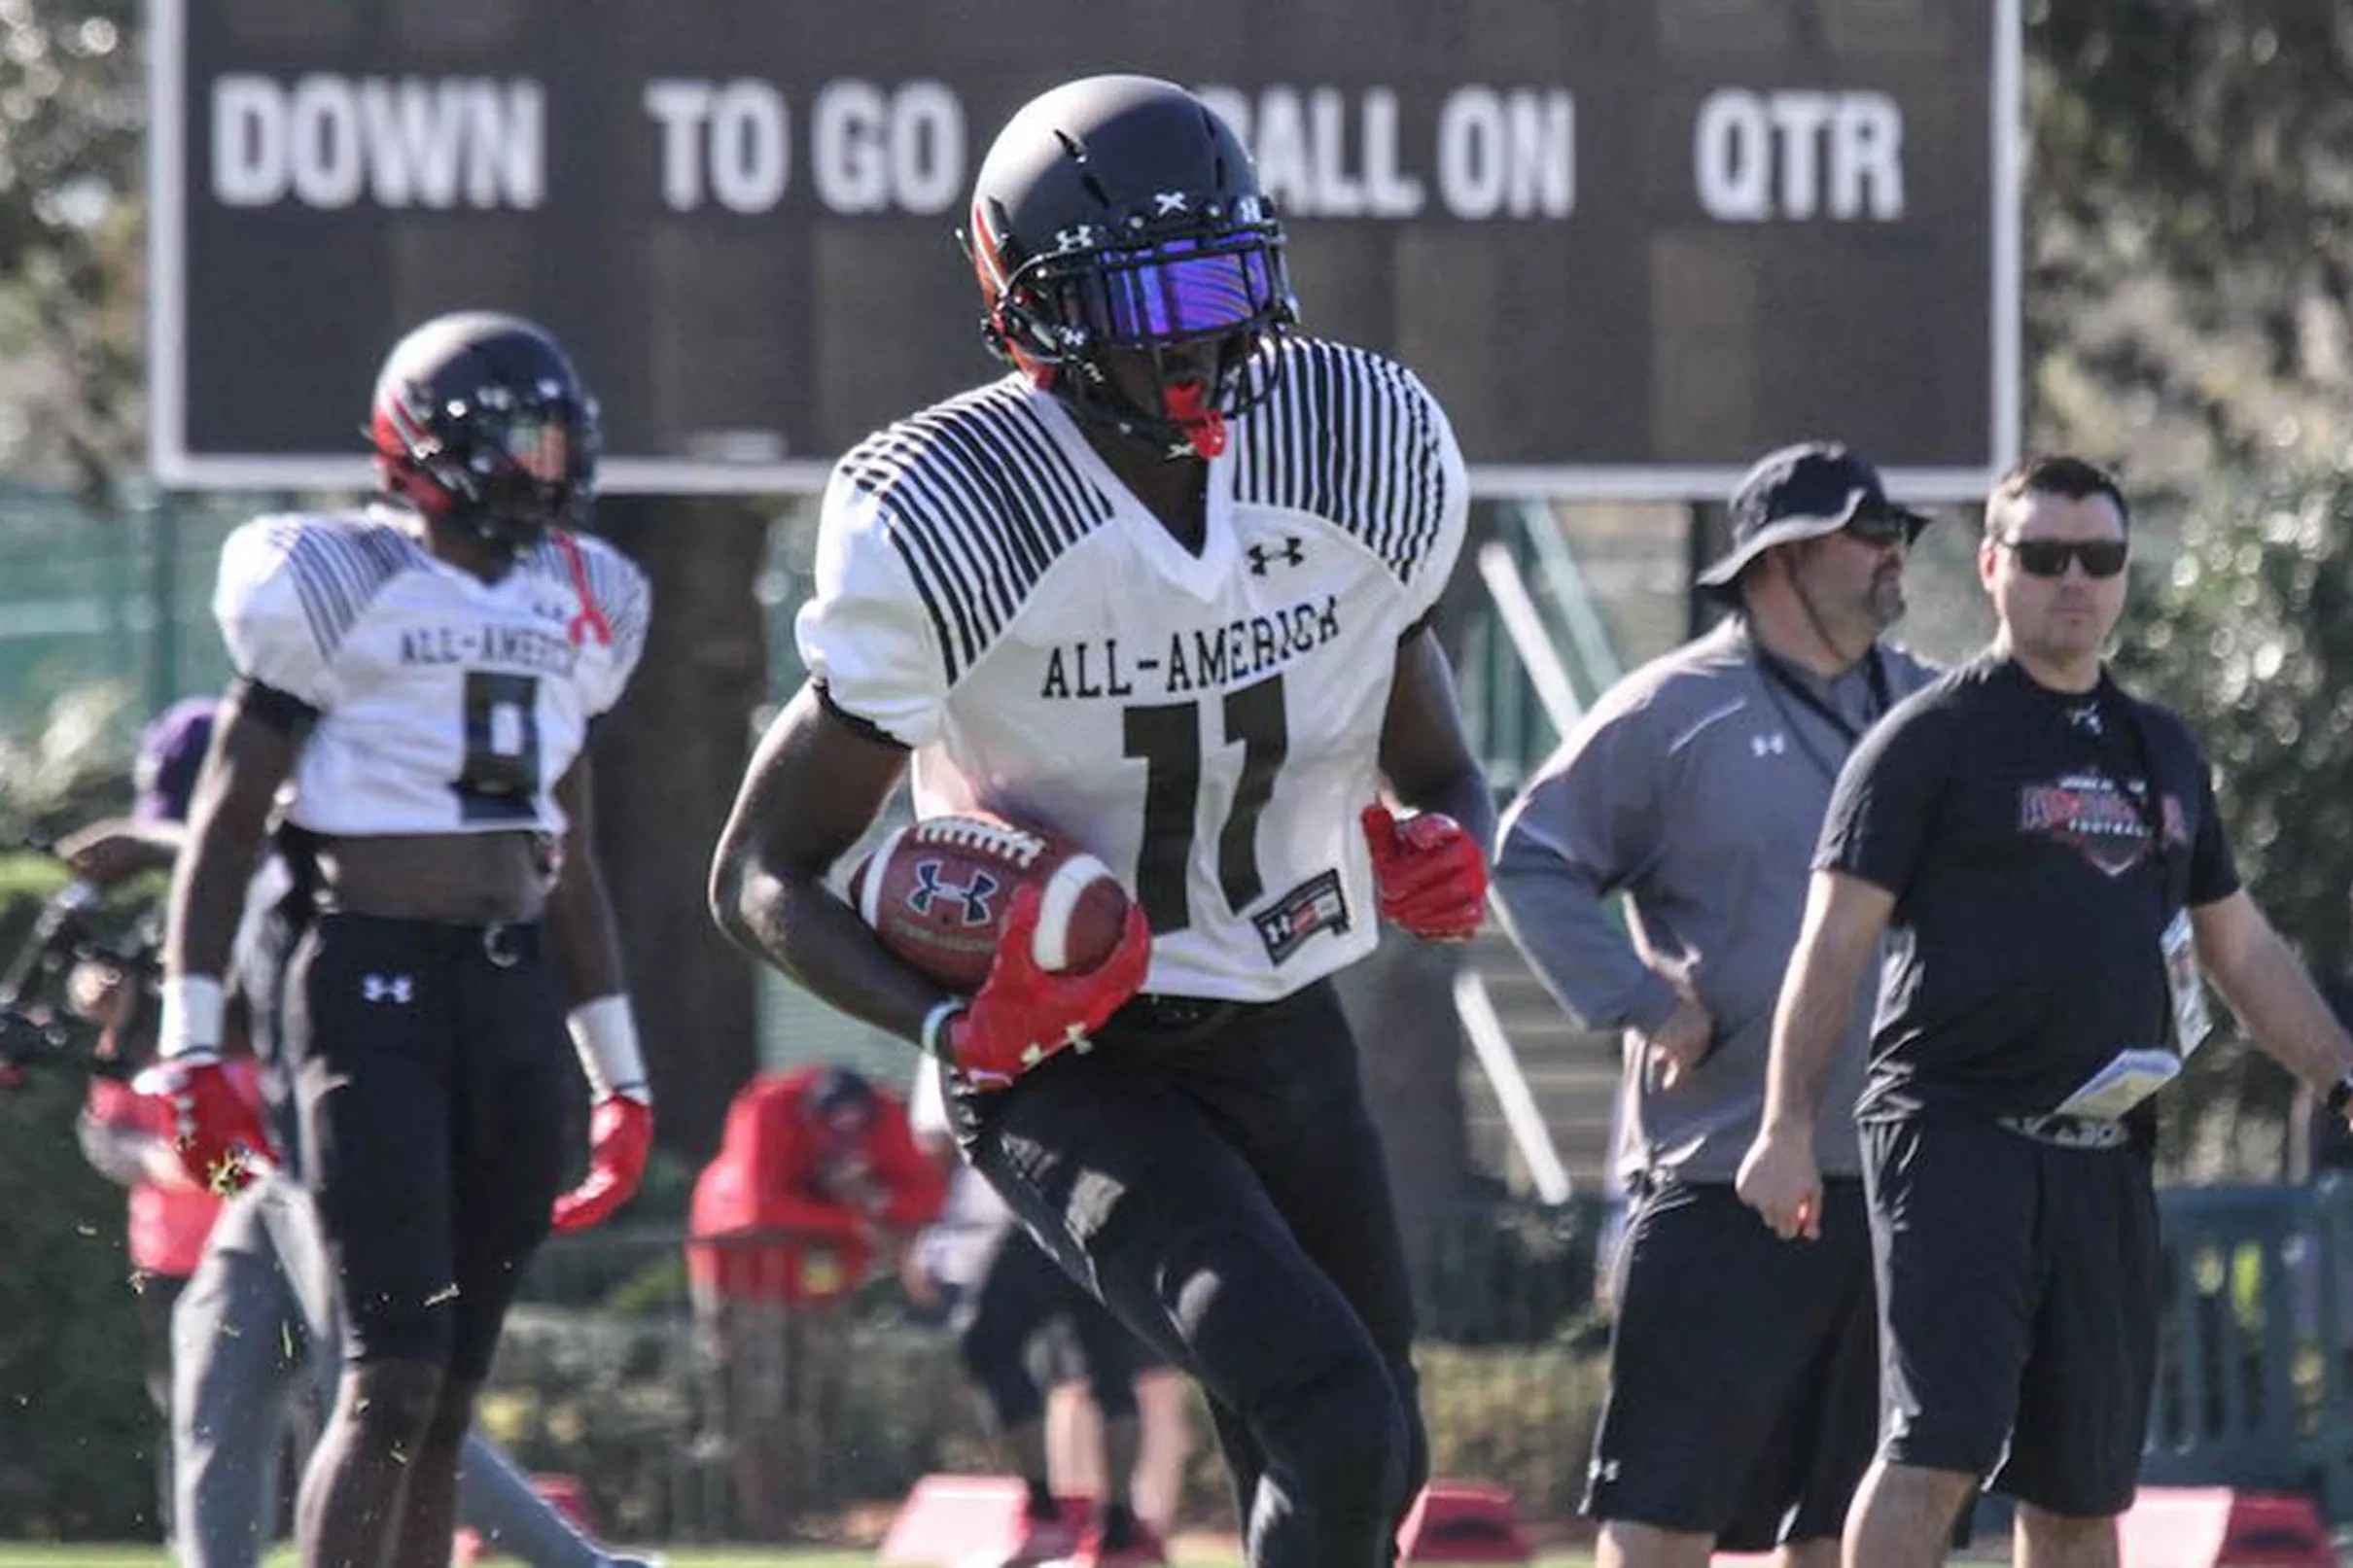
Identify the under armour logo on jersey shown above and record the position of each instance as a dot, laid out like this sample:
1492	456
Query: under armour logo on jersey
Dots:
1765	746
2085	716
394	989
973	898
1292	552
1165	202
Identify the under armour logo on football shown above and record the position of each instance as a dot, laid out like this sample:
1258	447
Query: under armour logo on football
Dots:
973	898
1765	746
1080	237
394	989
1165	202
1292	552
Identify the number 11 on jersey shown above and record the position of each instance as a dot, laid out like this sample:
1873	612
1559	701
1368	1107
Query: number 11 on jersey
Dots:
1167	738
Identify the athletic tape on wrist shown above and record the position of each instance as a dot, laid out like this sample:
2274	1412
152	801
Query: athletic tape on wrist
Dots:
605	1034
190	1025
935	1039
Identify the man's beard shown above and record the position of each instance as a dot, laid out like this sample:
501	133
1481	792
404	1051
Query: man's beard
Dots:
1885	601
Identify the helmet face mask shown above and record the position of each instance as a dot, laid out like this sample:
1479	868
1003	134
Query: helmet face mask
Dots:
1119	214
481	425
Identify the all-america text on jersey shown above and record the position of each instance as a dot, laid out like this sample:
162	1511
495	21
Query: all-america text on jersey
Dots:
491	644
1236	651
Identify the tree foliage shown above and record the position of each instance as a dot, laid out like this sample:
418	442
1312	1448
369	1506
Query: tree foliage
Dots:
72	117
2255	636
77	1437
2251	638
2190	201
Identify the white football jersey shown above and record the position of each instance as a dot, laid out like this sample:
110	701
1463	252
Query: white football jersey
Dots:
446	704
988	594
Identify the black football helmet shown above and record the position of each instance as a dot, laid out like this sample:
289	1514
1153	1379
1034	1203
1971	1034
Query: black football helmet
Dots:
1119	212
481	423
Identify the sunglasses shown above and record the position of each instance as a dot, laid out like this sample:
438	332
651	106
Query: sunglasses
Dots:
2049	557
1877	525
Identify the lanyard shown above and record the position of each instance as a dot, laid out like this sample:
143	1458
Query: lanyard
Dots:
1777	676
2109	702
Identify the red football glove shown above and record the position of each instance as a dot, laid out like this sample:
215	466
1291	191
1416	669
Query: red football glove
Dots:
1022	1014
1433	875
217	1133
620	1134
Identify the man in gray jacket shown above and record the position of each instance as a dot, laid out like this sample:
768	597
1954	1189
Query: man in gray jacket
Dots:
1743	1401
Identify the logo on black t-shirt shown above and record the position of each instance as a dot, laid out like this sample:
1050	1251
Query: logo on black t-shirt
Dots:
2088	814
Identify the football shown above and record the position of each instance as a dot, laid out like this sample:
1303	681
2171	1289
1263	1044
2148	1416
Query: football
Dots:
937	892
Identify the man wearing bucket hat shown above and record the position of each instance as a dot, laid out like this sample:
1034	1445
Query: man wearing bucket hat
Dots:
1742	1400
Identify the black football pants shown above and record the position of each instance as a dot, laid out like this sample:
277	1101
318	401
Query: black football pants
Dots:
431	1066
1209	1170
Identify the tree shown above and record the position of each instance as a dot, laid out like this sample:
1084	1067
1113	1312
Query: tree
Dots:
73	103
2189	208
667	765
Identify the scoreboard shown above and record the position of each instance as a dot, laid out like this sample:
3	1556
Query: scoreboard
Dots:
1629	243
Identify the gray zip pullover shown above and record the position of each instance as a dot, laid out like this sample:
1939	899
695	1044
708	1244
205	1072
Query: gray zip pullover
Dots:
1696	786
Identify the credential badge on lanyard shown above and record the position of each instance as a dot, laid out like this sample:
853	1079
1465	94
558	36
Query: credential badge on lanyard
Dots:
2193	1022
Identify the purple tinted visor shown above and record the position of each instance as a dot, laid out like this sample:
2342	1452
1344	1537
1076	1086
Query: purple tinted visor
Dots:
540	447
1183	288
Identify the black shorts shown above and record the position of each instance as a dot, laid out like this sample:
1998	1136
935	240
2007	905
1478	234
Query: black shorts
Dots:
431	1062
1743	1390
1006	1319
2019	1287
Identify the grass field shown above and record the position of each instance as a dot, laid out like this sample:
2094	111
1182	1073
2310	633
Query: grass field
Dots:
13	1555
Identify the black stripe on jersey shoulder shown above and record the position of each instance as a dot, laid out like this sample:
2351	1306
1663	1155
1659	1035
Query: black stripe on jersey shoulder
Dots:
1351	436
614	582
338	564
978	499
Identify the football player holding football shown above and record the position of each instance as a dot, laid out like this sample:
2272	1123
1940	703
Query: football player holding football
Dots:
1165	591
418	678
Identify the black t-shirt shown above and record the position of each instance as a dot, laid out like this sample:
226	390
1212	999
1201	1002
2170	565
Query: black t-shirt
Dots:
2010	823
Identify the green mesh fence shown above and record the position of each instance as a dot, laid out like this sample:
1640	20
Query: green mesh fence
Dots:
108	603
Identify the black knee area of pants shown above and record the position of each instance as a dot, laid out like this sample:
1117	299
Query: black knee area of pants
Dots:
994	1361
452	1415
394	1402
383	1329
1338	1444
1113	1393
1325	1406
